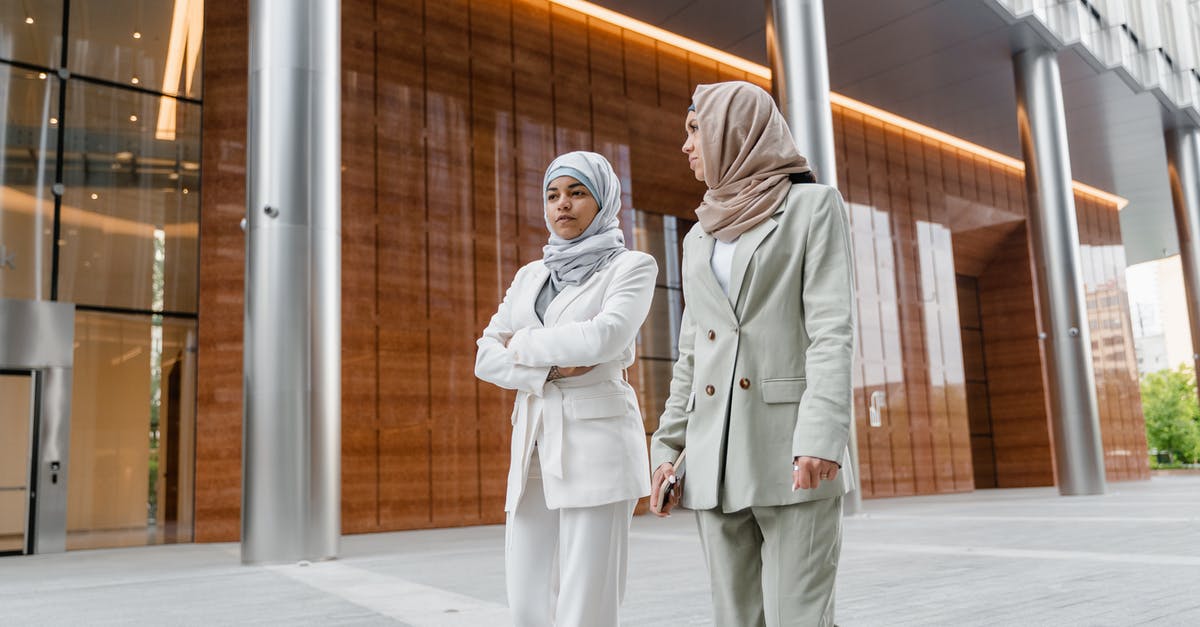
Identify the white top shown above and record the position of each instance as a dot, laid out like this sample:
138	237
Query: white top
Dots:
722	263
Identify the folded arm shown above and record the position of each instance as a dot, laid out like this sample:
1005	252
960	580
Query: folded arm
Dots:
603	338
494	361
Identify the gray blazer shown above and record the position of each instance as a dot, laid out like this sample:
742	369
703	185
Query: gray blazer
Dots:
766	377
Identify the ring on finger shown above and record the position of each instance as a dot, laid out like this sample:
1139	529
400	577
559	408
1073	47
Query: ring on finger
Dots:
795	467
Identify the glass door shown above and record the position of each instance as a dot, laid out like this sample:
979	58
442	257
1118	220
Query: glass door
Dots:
16	420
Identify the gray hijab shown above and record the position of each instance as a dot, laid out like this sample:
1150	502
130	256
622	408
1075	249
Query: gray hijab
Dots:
574	261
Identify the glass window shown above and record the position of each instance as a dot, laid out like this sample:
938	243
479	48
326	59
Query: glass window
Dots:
29	100
31	32
132	431
130	209
151	44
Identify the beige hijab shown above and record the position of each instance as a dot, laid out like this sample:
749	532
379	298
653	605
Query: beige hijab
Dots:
748	154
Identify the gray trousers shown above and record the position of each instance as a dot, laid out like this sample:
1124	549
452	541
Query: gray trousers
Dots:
773	566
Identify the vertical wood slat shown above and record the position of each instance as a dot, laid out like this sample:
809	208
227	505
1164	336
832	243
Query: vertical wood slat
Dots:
360	350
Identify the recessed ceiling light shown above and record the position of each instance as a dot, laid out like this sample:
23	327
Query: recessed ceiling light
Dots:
135	80
185	190
42	75
53	121
29	20
137	34
95	196
133	118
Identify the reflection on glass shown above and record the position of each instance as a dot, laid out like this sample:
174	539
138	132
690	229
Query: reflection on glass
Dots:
29	101
124	186
150	44
31	31
15	418
132	431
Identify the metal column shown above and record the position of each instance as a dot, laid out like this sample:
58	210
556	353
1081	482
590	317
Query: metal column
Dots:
800	84
1183	168
800	79
291	453
1054	236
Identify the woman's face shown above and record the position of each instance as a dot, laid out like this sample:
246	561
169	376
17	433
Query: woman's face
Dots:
570	207
691	147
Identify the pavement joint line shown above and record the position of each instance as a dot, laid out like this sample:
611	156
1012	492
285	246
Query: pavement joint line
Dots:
1064	519
396	598
1051	554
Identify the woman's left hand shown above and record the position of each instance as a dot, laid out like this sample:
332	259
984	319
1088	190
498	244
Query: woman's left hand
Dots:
809	472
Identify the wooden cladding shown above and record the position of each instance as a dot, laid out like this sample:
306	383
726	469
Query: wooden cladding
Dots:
452	109
924	216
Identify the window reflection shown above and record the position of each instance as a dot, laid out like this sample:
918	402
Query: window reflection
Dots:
151	45
122	186
29	100
659	236
132	426
31	32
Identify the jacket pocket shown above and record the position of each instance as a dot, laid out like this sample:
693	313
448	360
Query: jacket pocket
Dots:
783	390
606	406
691	404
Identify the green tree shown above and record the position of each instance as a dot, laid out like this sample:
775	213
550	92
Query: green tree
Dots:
1172	412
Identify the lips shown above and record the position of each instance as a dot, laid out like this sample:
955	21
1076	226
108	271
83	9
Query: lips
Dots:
563	218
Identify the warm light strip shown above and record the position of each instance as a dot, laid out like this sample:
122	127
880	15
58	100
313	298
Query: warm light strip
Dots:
667	37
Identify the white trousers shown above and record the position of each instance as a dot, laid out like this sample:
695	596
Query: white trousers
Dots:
565	567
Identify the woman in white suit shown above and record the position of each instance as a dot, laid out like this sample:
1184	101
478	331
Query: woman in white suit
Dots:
562	339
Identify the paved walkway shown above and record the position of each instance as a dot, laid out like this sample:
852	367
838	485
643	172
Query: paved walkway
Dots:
993	557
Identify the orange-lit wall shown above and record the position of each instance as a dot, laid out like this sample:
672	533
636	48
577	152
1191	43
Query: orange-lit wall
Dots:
451	112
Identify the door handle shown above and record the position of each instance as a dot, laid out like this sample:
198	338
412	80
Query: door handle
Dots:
878	401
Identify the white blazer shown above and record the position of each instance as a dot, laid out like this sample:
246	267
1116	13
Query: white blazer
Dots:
588	429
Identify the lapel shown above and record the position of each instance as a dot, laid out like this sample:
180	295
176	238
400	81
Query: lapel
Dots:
566	297
701	262
743	253
528	316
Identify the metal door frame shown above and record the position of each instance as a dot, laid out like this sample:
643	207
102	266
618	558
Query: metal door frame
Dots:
38	337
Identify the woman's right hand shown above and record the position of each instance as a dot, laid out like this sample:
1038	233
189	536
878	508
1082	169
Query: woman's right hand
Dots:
576	371
661	474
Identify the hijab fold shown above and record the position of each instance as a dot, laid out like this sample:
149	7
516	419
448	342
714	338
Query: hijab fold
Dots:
574	261
748	154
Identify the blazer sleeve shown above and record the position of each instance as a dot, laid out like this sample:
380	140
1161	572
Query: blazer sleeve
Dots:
494	362
669	439
823	424
603	338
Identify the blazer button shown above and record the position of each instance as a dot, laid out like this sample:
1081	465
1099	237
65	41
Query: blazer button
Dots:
712	335
710	390
745	383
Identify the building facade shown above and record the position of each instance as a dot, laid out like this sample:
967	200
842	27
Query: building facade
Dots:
124	187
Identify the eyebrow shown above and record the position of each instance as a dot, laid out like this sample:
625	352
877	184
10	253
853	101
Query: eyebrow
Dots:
572	185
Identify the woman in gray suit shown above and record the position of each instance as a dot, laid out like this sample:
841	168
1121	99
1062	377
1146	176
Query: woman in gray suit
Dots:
760	395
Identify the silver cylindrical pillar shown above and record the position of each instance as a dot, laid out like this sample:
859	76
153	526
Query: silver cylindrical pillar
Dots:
800	84
1183	168
292	387
800	79
1054	235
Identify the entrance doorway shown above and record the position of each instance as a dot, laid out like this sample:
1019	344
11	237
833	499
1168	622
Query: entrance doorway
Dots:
17	425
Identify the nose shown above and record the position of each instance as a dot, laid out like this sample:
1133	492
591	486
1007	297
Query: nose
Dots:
687	146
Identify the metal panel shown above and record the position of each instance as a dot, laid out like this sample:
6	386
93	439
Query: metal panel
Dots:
36	334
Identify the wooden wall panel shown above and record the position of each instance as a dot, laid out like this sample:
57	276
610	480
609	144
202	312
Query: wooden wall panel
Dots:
1014	361
222	268
453	109
360	350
